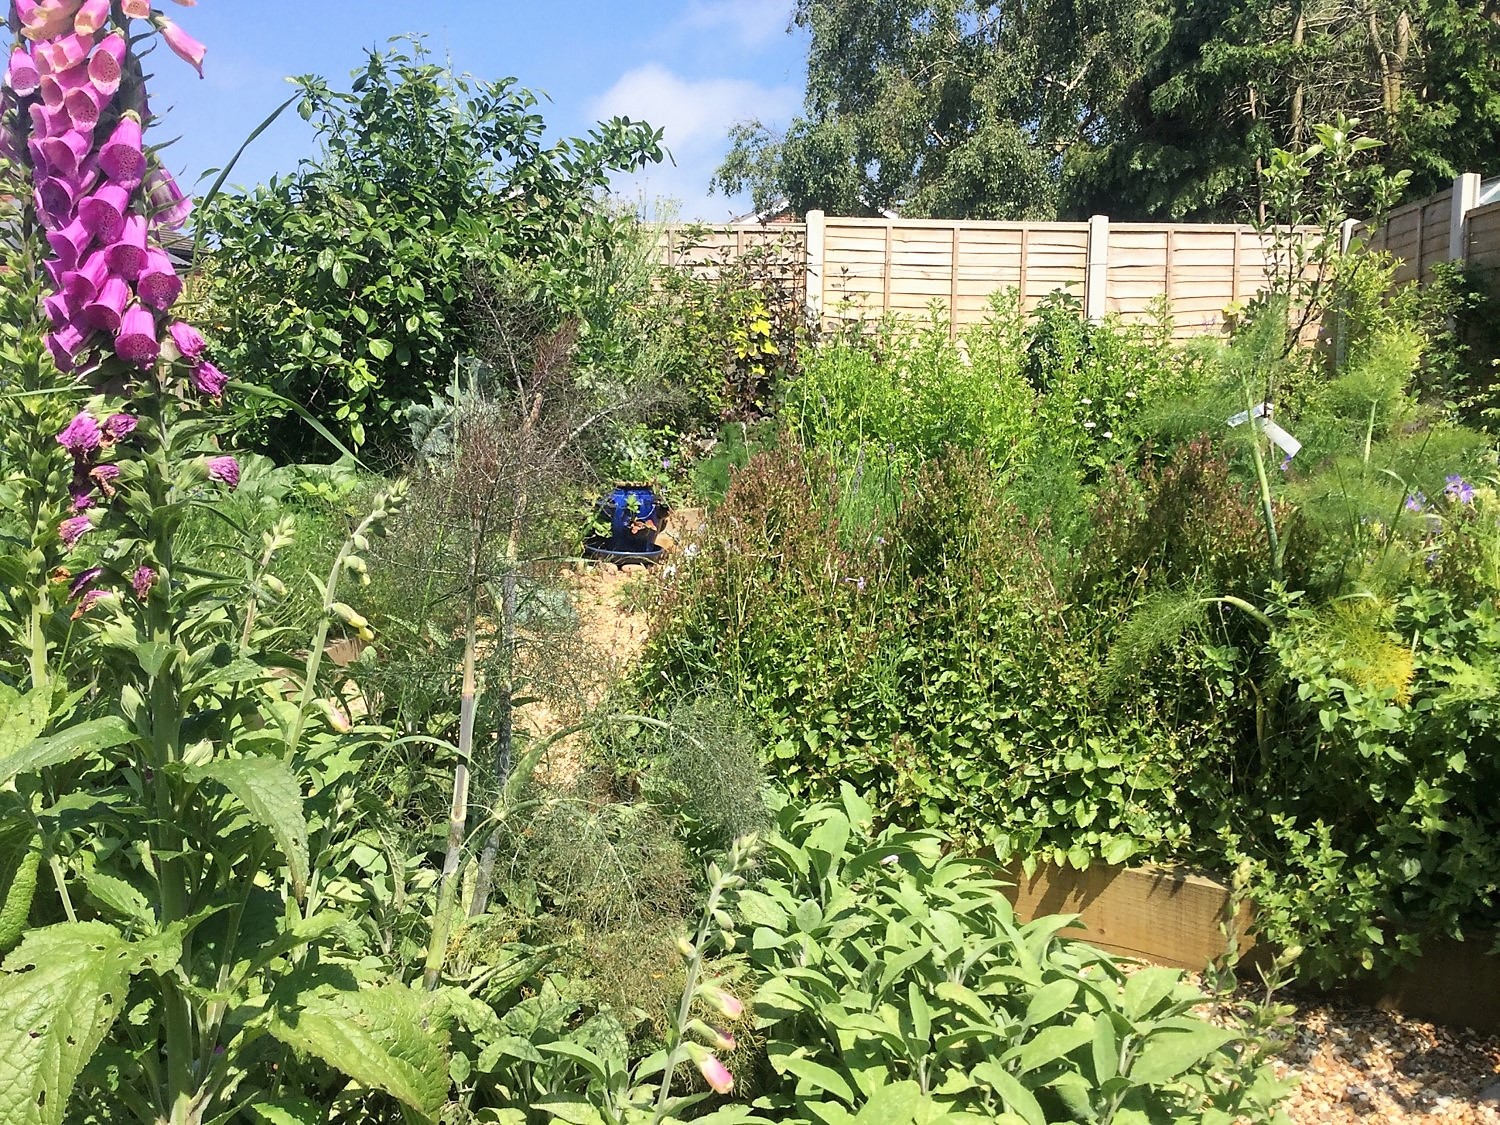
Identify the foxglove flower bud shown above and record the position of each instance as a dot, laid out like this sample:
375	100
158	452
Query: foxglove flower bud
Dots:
716	1074
225	470
183	45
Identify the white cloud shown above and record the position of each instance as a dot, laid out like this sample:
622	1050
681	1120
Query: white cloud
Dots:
696	116
754	22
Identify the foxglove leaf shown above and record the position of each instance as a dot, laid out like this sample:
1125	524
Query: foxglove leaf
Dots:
65	746
386	1038
271	796
59	993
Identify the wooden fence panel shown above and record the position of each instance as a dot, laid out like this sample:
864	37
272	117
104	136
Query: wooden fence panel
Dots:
868	268
1484	237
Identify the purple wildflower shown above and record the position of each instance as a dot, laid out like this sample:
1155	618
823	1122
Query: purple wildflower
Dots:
73	529
81	437
188	340
225	470
209	380
118	427
1416	502
105	476
84	580
89	600
142	581
1456	488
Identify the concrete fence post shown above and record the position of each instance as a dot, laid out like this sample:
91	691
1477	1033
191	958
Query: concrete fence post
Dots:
1465	199
816	252
1096	269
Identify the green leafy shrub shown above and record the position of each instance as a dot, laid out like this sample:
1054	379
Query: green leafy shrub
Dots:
897	985
343	285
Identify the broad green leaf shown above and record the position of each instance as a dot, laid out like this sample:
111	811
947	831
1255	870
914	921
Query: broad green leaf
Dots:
1014	1096
1147	988
1052	1043
380	1037
290	1111
59	993
269	793
571	1108
119	898
1167	1052
64	746
1049	1000
1106	1049
22	717
821	1078
921	1015
579	1054
20	861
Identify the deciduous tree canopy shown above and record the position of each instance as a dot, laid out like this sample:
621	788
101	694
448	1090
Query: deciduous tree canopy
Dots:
1136	108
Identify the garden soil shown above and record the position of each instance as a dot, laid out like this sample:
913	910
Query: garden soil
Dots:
1350	1064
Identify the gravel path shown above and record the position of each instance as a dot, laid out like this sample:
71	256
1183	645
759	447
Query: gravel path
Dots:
1359	1065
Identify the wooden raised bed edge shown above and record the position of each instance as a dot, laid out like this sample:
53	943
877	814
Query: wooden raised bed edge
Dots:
1176	918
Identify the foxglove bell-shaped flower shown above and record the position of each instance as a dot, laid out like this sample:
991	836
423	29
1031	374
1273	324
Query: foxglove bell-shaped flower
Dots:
83	580
183	45
103	213
67	154
122	158
64	344
169	207
108	306
158	285
136	9
73	529
23	76
142	581
84	105
118	427
136	342
62	52
82	285
92	16
105	476
56	85
49	122
127	257
107	64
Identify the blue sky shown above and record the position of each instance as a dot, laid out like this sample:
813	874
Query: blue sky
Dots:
692	67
